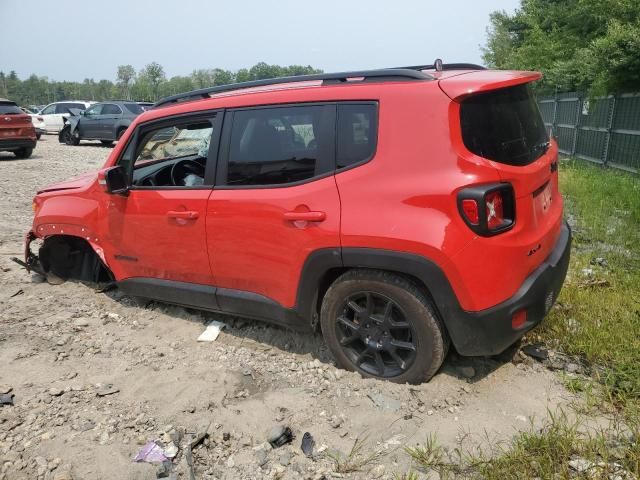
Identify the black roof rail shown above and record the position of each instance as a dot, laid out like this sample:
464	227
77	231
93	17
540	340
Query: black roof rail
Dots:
382	75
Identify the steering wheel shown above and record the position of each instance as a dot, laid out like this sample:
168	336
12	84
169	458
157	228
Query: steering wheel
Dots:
182	168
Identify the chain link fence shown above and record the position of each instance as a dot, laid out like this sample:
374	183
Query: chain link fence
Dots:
603	130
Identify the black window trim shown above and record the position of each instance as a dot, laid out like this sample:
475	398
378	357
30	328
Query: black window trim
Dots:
331	134
215	116
376	104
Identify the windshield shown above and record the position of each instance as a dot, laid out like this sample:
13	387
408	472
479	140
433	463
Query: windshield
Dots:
8	108
504	126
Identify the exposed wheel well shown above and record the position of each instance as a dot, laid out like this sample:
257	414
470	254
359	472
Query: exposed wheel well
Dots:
70	257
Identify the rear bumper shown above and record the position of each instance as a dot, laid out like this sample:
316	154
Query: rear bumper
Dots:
11	144
489	332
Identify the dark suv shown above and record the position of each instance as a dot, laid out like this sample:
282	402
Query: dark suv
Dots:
105	121
397	210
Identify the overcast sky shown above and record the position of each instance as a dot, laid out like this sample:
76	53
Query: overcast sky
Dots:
77	39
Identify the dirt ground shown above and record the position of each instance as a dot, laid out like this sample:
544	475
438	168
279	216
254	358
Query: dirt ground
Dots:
98	375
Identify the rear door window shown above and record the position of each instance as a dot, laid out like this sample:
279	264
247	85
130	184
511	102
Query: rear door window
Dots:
279	145
504	126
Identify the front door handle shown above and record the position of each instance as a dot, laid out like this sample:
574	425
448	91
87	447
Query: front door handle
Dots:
185	215
305	216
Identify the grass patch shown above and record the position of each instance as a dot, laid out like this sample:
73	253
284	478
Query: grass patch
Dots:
598	315
358	457
562	449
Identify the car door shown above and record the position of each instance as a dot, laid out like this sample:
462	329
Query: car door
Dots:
89	125
111	113
275	201
48	114
157	231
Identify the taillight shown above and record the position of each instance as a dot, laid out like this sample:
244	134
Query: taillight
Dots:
488	209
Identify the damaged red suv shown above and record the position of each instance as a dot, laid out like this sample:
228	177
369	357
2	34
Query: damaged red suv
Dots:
397	210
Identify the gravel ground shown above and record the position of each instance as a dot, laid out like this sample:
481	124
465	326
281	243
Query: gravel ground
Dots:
98	375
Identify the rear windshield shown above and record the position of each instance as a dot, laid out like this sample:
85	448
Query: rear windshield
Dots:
134	108
9	108
504	125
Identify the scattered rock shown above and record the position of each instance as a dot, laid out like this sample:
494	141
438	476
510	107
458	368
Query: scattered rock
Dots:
384	402
80	322
103	390
55	391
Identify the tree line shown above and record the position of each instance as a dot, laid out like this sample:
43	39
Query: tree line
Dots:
580	45
148	84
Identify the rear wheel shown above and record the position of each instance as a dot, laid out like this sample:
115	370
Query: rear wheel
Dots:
107	143
120	133
383	325
69	138
23	153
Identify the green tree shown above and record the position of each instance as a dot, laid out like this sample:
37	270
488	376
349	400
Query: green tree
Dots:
125	76
578	44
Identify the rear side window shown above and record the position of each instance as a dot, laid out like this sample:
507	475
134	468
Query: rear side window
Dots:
275	146
134	108
504	125
9	109
357	133
111	109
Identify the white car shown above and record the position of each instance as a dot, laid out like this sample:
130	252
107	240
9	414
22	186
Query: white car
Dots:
37	120
54	113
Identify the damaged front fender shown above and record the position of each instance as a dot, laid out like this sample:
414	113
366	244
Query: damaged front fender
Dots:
65	255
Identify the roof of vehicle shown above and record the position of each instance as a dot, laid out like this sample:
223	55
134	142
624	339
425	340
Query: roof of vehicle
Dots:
6	100
89	102
408	74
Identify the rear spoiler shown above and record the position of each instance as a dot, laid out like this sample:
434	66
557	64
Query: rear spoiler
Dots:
461	86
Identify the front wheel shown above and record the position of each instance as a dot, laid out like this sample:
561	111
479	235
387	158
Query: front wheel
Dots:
383	325
107	143
68	138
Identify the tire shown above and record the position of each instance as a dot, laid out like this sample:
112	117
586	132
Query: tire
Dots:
107	143
355	338
23	153
38	135
67	138
120	133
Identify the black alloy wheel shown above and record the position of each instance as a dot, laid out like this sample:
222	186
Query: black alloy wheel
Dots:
383	325
374	333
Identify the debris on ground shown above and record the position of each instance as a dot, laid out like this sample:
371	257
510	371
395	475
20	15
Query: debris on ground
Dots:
212	331
6	399
536	351
308	444
102	390
279	436
151	453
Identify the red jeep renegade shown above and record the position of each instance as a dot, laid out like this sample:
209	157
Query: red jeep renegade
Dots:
400	210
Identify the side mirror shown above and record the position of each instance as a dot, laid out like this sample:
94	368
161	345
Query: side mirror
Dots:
114	180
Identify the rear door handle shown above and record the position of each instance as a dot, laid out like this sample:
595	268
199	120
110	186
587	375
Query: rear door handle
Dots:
186	215
305	216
